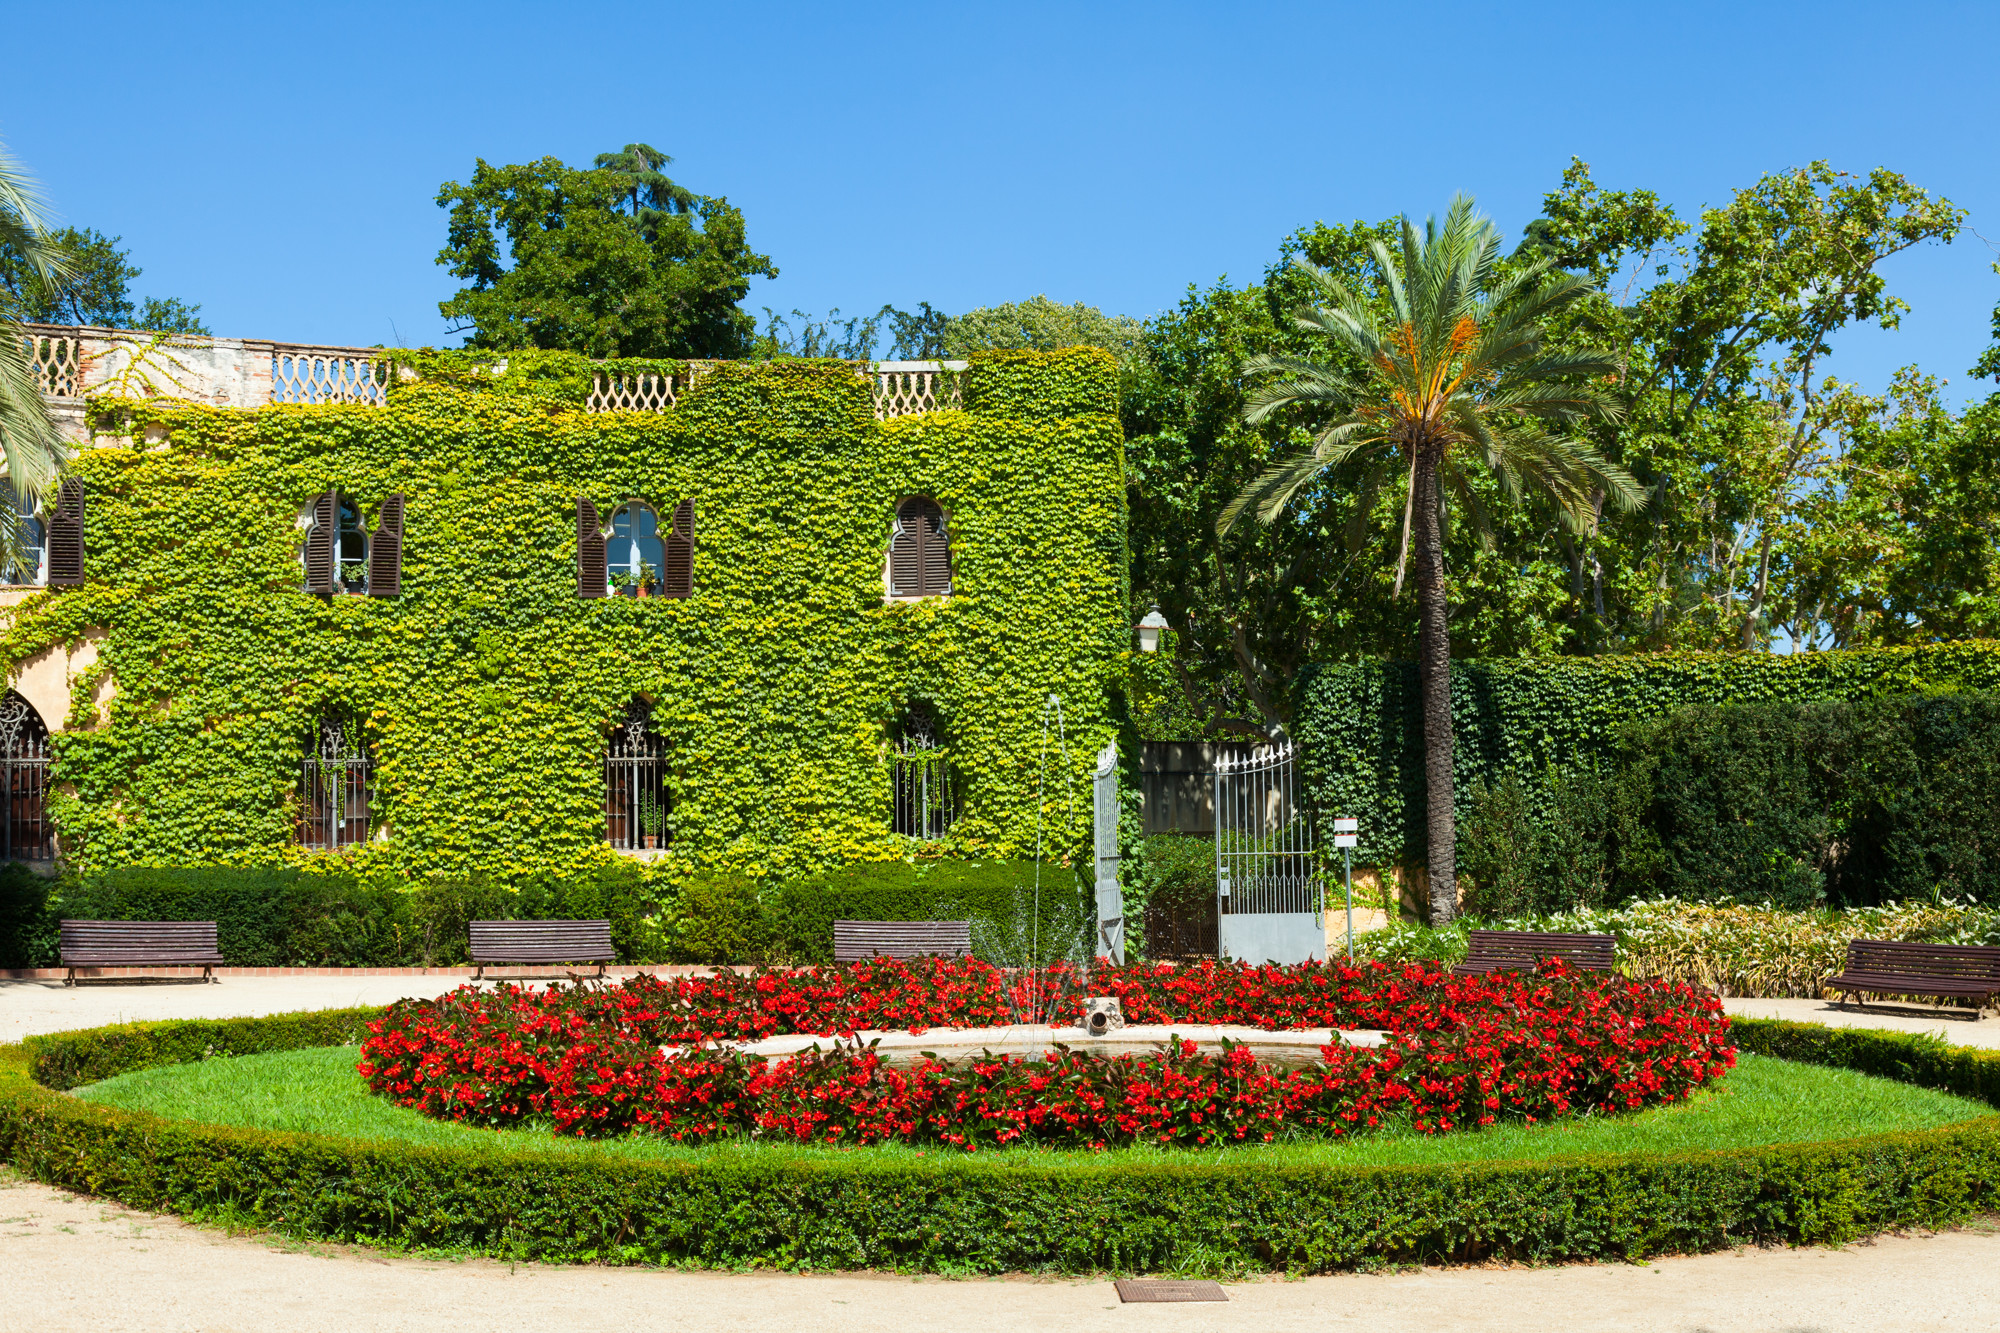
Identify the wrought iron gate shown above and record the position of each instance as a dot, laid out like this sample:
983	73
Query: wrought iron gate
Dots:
1270	901
334	779
1104	823
637	804
24	751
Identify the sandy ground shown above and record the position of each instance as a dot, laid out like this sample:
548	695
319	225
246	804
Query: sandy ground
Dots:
79	1263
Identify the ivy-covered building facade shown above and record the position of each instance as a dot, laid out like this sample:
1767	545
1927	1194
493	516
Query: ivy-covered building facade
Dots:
510	617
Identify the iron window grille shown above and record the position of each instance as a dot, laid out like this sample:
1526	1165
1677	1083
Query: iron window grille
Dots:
637	805
24	751
925	791
336	784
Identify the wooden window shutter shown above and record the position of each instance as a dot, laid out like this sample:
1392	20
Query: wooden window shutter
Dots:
590	574
935	555
905	563
65	536
321	544
385	551
679	573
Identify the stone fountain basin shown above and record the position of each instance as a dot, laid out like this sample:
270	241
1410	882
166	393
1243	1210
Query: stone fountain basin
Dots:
1293	1049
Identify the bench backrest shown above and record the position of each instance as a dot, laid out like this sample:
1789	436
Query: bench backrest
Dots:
1529	947
542	942
856	940
139	943
1901	958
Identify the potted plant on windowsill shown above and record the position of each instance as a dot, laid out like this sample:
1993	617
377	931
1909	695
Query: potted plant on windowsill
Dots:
652	820
648	580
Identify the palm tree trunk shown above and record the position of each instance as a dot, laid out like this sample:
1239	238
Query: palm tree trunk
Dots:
1434	676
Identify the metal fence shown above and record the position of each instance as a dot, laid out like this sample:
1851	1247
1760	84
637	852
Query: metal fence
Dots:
636	802
24	752
336	780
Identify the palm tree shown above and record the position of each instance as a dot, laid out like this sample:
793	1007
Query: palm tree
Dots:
29	441
1457	376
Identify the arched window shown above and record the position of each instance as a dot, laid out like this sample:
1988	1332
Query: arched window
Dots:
336	782
24	754
919	550
32	568
634	557
924	787
351	554
636	801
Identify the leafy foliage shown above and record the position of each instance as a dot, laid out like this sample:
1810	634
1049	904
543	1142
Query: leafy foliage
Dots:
97	289
611	262
487	687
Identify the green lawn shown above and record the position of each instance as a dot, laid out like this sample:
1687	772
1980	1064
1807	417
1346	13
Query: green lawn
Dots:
1763	1101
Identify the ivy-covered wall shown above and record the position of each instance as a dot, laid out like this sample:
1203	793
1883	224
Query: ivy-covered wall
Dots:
1360	725
488	686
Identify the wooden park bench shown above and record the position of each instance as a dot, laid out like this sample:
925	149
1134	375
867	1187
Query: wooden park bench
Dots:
140	944
854	941
529	943
1939	971
1511	950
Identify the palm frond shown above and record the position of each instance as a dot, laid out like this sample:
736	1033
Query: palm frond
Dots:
1266	497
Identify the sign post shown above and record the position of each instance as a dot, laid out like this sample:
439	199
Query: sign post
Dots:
1346	832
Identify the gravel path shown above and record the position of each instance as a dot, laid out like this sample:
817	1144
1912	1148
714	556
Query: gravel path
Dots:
80	1263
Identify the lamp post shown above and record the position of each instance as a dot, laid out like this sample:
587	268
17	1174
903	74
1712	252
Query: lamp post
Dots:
1149	631
1346	832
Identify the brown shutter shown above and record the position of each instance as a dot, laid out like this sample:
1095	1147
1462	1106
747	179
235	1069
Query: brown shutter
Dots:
65	536
905	567
385	551
589	551
936	552
679	573
320	544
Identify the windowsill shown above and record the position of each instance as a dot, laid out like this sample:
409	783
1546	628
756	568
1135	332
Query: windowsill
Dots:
912	601
641	853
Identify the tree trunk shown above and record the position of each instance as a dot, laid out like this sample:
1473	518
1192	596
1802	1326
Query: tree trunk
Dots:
1434	673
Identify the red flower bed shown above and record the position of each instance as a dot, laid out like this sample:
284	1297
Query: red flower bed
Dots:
1462	1052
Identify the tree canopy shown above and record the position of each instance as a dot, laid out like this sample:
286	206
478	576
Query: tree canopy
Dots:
616	260
97	288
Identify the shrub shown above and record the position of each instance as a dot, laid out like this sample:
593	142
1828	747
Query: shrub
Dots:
802	912
1170	891
992	1215
1730	948
722	921
28	917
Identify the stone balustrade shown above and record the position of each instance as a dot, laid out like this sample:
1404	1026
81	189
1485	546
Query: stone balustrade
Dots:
78	362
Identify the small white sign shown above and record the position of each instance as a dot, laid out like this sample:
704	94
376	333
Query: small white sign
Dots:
1346	840
1225	888
1346	825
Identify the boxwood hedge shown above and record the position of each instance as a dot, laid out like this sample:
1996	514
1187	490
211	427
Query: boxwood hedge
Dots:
987	1214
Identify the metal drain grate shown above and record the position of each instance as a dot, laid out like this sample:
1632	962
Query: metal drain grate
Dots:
1142	1291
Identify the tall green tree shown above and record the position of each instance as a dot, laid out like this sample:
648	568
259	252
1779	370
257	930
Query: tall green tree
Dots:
613	261
1456	377
29	441
97	289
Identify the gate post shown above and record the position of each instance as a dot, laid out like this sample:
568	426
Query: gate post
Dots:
1110	900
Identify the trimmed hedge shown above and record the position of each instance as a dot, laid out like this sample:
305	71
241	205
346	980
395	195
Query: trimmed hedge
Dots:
278	916
997	893
1750	728
990	1214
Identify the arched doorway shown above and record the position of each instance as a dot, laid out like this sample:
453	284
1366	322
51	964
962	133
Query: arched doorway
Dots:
24	753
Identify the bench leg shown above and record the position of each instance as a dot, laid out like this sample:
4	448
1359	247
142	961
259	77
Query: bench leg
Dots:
70	980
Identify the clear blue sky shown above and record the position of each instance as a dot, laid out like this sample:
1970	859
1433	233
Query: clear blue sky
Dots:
280	164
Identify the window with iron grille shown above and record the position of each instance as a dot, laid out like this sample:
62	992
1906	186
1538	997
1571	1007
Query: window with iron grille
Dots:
924	786
336	784
636	800
24	754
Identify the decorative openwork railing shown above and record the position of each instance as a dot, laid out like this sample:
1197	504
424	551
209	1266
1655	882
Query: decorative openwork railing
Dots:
636	802
73	362
335	777
328	375
58	364
904	388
